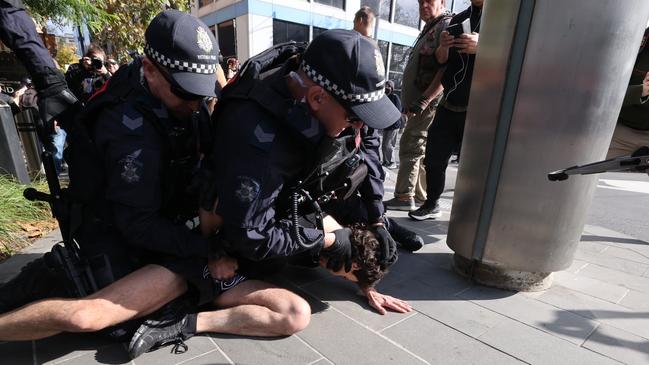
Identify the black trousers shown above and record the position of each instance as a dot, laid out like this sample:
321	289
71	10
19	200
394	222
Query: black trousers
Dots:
444	136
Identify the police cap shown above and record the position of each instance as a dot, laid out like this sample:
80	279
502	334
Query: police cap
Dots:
184	45
350	67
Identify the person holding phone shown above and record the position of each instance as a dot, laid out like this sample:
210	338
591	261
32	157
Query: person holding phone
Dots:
632	129
457	53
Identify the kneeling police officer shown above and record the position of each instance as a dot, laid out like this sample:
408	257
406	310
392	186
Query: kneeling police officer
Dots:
132	153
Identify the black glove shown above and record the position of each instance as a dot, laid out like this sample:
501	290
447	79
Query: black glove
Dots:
340	253
388	247
54	97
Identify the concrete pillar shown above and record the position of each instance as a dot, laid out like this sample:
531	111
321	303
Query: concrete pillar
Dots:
549	81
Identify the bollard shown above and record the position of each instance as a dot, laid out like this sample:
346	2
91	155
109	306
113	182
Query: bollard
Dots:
11	155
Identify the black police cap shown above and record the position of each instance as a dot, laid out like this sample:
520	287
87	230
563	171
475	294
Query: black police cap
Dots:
350	67
185	46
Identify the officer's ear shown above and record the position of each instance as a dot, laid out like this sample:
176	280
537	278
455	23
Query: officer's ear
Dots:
316	97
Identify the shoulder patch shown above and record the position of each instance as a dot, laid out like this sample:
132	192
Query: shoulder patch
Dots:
247	189
131	166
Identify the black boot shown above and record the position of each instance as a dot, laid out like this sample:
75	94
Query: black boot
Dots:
408	239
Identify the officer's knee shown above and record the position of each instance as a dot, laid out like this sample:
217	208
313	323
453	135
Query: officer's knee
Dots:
296	317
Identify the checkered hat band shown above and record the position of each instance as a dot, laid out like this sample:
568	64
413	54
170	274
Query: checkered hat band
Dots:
336	90
199	68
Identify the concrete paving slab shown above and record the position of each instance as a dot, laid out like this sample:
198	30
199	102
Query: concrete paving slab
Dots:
628	253
342	295
197	346
208	358
576	266
593	287
321	362
616	263
114	354
616	277
69	346
464	316
18	353
563	324
602	311
267	351
618	344
636	300
537	347
440	344
592	247
343	341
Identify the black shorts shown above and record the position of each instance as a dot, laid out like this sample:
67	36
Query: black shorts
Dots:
202	287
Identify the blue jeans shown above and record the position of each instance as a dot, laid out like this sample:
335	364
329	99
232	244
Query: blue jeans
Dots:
58	139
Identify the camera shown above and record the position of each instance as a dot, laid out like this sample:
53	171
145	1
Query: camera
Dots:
97	63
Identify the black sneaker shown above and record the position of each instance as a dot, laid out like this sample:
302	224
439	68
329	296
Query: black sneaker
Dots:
426	212
408	239
165	328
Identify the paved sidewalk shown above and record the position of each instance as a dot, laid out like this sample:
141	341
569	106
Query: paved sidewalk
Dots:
597	312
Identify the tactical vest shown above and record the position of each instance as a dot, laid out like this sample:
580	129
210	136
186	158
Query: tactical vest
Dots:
87	175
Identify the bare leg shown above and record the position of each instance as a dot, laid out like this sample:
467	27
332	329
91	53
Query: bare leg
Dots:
256	308
133	296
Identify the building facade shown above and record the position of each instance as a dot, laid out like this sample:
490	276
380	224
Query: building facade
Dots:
245	28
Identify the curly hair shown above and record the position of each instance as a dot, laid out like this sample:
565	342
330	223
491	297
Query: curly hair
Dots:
365	253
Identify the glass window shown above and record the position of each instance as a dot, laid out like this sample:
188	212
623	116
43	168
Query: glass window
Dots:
398	63
227	38
383	48
380	7
317	31
460	5
287	31
202	3
335	3
406	12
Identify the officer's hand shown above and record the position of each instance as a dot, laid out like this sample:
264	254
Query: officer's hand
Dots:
209	222
53	104
339	254
384	237
223	268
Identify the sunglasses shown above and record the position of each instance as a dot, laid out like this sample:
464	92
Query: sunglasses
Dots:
175	88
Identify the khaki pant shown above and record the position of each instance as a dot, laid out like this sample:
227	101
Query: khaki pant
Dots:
411	178
626	140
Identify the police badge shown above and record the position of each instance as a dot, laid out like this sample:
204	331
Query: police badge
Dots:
203	40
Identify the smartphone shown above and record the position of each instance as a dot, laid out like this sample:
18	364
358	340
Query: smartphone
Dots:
457	29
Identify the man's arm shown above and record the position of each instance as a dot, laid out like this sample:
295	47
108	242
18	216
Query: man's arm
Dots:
638	94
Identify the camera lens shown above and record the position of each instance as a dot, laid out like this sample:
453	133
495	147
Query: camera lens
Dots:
97	63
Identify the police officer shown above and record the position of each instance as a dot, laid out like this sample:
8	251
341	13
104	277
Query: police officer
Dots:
133	181
18	32
271	140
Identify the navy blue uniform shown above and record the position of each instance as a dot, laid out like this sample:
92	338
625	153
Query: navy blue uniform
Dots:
18	32
148	159
259	156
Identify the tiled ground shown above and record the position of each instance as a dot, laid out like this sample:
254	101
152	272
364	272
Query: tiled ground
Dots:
597	312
